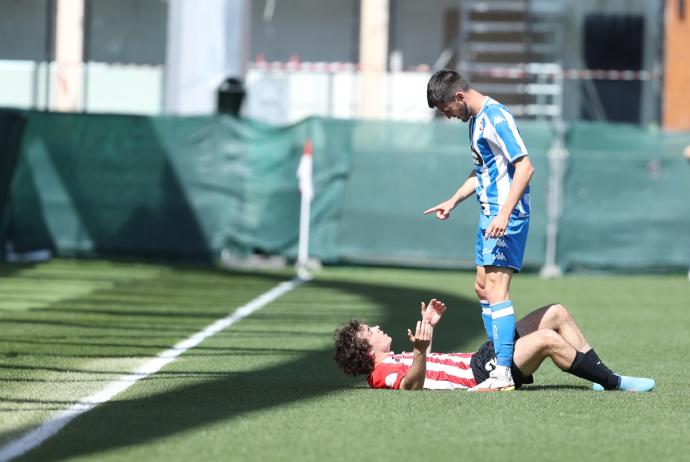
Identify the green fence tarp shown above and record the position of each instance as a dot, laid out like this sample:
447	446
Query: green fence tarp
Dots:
193	186
627	202
95	185
401	169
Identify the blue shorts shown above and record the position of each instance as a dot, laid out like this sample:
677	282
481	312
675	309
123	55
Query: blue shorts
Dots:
506	251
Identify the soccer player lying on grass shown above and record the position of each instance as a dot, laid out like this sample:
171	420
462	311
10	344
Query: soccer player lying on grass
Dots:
549	331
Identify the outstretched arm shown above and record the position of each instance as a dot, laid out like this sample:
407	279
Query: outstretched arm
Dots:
466	190
414	380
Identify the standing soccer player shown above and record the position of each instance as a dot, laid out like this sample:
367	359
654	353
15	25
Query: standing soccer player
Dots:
500	179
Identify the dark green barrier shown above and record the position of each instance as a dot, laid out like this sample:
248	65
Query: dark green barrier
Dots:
99	185
12	125
175	187
190	187
627	201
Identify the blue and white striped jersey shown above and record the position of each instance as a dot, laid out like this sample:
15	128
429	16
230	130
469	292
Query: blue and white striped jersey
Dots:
496	143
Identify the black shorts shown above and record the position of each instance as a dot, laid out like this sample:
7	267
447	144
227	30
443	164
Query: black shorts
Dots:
484	361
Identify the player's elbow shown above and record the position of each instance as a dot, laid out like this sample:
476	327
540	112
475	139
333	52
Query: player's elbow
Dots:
529	170
524	168
411	384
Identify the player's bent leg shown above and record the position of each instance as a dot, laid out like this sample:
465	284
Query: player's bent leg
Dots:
531	349
558	318
538	345
530	352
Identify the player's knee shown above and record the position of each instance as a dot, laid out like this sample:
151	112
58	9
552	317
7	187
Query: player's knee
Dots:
492	278
560	313
495	291
549	339
480	290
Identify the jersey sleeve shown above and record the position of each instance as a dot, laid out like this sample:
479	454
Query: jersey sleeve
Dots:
387	376
507	136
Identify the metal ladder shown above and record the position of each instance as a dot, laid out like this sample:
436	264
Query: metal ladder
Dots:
511	50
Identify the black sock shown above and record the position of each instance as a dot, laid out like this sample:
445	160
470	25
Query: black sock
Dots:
595	357
588	367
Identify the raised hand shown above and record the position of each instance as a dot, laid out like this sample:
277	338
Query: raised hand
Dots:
433	312
422	336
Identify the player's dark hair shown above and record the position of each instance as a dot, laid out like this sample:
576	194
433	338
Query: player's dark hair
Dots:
443	85
352	351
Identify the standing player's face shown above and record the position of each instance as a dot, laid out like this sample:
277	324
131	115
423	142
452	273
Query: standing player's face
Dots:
380	341
455	109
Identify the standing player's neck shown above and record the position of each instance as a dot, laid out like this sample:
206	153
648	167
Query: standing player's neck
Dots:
477	104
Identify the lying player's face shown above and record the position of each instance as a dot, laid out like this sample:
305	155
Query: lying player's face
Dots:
380	342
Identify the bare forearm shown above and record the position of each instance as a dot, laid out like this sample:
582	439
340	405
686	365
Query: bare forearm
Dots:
414	380
467	189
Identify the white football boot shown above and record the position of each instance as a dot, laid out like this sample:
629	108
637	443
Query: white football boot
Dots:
500	379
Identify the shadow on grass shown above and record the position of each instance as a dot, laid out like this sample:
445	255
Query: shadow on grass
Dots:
555	387
212	399
7	270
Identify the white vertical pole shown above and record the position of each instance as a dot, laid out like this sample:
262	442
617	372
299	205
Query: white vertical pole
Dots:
557	156
238	33
557	160
69	43
373	56
306	186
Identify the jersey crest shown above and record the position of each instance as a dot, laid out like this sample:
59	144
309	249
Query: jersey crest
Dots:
476	157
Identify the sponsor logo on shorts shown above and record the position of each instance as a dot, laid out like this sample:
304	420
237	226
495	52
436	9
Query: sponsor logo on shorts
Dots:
501	243
500	256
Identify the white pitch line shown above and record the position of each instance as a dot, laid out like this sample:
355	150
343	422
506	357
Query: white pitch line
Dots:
50	427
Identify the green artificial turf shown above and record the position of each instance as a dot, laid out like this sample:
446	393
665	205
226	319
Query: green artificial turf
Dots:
266	388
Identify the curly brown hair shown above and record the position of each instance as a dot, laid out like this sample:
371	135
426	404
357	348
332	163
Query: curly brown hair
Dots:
352	351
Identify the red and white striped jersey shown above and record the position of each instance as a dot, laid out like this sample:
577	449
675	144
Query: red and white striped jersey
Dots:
444	371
